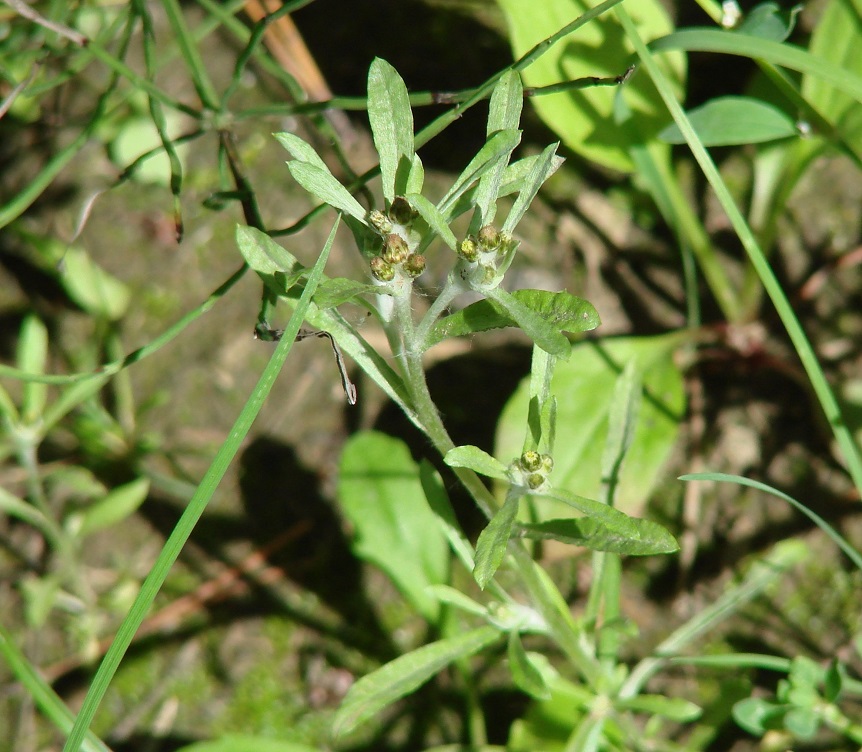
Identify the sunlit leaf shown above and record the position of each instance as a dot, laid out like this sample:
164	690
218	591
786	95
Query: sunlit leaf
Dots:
729	121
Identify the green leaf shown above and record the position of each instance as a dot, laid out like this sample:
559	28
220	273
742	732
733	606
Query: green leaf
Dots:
542	169
277	267
31	357
333	292
526	676
246	743
438	500
493	540
584	118
833	681
622	421
116	506
757	716
435	219
416	178
565	312
730	121
381	494
321	183
497	148
476	460
802	722
584	387
456	598
392	126
673	708
835	39
504	113
651	538
91	287
300	150
769	21
402	676
544	333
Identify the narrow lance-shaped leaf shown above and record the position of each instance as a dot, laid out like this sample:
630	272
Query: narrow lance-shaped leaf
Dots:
526	676
507	102
542	169
498	147
438	500
476	460
435	219
491	546
322	183
402	676
300	150
622	421
392	126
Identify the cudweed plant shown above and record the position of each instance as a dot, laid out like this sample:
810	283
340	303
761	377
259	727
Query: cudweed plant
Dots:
396	242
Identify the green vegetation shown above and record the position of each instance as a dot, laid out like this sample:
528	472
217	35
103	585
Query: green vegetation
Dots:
552	588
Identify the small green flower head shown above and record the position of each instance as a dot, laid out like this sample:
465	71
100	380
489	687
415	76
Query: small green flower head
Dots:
468	249
382	270
489	238
547	464
531	461
395	249
401	212
380	222
535	481
414	265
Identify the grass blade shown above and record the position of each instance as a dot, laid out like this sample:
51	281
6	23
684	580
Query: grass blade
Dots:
193	512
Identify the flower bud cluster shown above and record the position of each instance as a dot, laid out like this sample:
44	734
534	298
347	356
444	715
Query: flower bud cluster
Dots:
482	256
531	470
396	257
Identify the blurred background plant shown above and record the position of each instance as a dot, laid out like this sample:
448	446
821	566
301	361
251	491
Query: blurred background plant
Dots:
127	127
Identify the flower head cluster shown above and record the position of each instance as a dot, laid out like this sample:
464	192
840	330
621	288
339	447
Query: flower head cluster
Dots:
485	257
531	470
397	258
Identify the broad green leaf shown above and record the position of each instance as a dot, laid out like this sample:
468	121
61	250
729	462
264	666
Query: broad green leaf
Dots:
584	387
526	676
435	219
769	21
542	169
31	357
544	333
381	494
565	312
137	136
321	183
730	121
91	287
590	533
757	716
118	504
476	460
583	118
300	150
392	126
802	722
674	708
836	39
498	147
402	676
493	540
247	743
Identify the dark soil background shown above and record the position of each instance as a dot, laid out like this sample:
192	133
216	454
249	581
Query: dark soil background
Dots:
268	616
